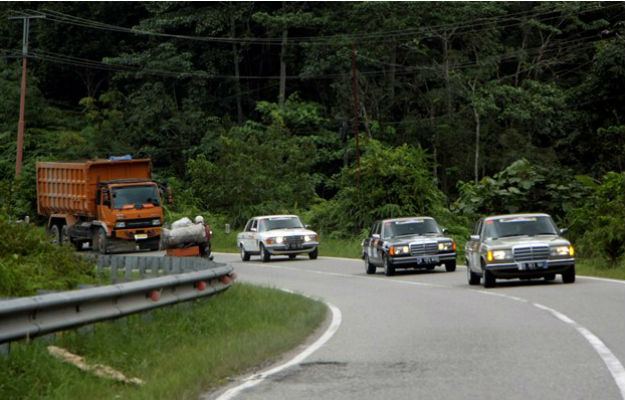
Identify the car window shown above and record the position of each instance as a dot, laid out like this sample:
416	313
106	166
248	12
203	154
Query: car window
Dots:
416	226
254	224
519	226
269	224
478	227
248	226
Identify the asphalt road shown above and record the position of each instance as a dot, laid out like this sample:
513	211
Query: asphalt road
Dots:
429	335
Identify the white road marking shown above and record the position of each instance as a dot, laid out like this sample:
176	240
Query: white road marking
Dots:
613	364
258	378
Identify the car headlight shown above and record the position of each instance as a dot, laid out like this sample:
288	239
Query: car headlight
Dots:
120	225
310	238
563	251
279	239
156	222
446	246
399	250
493	255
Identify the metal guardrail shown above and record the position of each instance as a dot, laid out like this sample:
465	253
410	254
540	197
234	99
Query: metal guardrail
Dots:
125	268
28	317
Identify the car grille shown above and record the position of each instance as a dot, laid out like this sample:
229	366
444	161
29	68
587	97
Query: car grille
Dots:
531	253
294	239
418	249
137	223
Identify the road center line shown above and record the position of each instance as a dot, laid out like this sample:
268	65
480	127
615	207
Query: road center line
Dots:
258	378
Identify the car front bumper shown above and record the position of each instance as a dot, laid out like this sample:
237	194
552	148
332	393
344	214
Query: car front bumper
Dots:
527	270
424	260
279	249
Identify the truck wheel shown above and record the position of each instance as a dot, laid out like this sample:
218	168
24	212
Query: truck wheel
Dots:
100	241
264	254
55	234
313	254
245	256
65	234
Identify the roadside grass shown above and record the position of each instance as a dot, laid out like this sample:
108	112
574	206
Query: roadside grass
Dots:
178	351
599	268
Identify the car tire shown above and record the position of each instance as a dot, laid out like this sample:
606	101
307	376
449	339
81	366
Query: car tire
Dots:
569	275
55	234
264	254
245	256
369	268
389	269
489	279
100	241
472	277
450	266
313	254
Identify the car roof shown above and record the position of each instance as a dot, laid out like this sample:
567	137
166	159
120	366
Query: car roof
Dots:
275	216
516	216
404	219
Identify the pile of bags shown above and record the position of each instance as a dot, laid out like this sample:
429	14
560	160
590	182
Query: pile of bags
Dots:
184	233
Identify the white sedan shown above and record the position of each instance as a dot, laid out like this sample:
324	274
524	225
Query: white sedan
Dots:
277	235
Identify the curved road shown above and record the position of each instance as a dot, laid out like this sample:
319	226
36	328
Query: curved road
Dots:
429	335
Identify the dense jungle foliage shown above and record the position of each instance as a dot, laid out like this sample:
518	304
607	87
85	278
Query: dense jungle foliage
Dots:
247	108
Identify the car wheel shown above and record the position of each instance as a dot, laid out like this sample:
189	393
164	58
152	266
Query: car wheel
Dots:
245	256
264	254
55	234
389	269
450	266
369	268
100	241
550	277
489	279
472	277
292	256
569	275
313	254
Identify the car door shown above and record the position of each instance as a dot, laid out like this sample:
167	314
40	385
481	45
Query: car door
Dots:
377	243
370	243
244	237
473	246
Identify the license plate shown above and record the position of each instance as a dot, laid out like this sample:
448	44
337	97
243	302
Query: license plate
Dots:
140	236
293	246
532	265
427	260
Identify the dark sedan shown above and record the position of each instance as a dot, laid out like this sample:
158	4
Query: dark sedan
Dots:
411	242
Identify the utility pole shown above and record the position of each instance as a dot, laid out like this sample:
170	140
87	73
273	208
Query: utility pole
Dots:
356	122
20	126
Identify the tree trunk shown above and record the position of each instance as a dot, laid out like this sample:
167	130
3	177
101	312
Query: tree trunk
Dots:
282	94
237	74
476	117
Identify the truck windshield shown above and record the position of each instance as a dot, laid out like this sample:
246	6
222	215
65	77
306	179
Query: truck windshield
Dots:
280	223
519	226
418	226
136	196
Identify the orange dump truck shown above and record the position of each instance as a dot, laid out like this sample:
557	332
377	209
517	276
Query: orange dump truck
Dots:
110	204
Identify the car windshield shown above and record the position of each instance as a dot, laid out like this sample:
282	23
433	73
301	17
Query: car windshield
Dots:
519	226
136	196
270	224
418	226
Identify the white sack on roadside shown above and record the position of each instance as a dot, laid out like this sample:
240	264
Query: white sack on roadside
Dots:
182	222
195	233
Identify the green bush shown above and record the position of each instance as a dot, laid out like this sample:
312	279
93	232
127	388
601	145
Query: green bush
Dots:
28	262
598	225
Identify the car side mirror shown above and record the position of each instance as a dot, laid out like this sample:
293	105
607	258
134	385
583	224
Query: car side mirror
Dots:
475	238
564	231
375	236
307	226
445	230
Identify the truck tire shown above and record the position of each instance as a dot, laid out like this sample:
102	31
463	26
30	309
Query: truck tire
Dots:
55	234
65	235
100	241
